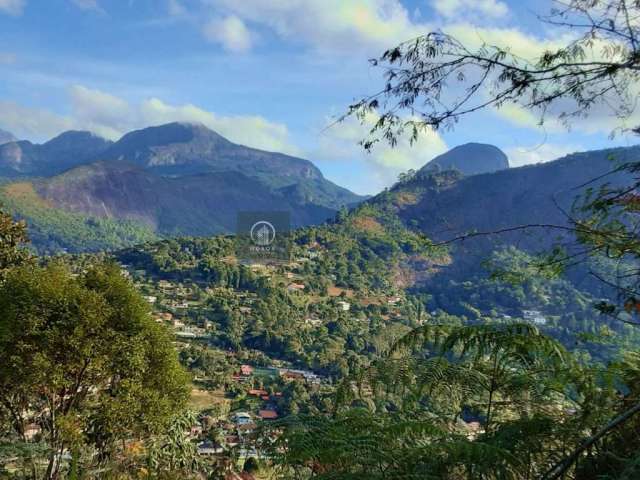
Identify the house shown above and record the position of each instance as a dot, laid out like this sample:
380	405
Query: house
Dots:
295	287
150	298
246	428
258	393
242	418
344	306
245	310
534	316
291	375
246	370
186	334
208	448
313	321
268	414
196	430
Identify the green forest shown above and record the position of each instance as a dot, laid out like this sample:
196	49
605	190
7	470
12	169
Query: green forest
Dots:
502	345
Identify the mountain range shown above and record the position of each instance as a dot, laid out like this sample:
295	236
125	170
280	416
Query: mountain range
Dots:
448	204
184	179
478	216
173	179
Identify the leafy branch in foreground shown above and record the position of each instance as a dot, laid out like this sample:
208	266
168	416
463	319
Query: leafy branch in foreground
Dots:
438	80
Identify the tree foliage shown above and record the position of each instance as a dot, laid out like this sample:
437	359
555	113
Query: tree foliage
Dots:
83	360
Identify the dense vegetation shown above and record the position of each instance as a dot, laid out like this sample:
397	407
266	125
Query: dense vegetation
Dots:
507	370
53	229
82	360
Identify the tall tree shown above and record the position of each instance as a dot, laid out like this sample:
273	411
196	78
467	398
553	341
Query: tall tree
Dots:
83	359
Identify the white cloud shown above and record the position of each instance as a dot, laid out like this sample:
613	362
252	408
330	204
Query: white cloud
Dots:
339	143
101	112
112	116
12	7
231	32
25	122
349	26
88	5
519	43
251	130
544	152
601	118
464	8
333	25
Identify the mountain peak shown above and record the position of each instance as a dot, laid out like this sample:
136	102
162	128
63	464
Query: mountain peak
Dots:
187	148
65	151
170	133
471	159
72	140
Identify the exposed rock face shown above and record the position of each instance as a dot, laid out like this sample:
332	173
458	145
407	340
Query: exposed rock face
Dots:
470	159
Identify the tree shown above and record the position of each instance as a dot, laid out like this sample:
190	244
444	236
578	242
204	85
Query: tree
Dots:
13	237
439	80
401	418
83	359
172	453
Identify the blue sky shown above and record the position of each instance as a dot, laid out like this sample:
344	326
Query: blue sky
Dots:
267	73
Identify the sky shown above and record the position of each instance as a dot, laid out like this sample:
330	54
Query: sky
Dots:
271	74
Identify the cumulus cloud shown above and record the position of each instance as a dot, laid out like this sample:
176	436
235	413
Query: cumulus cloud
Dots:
601	118
112	116
231	32
545	152
251	130
12	7
339	143
351	25
328	24
25	122
101	112
462	8
521	44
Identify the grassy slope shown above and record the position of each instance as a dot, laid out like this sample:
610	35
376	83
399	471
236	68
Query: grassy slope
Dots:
52	229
